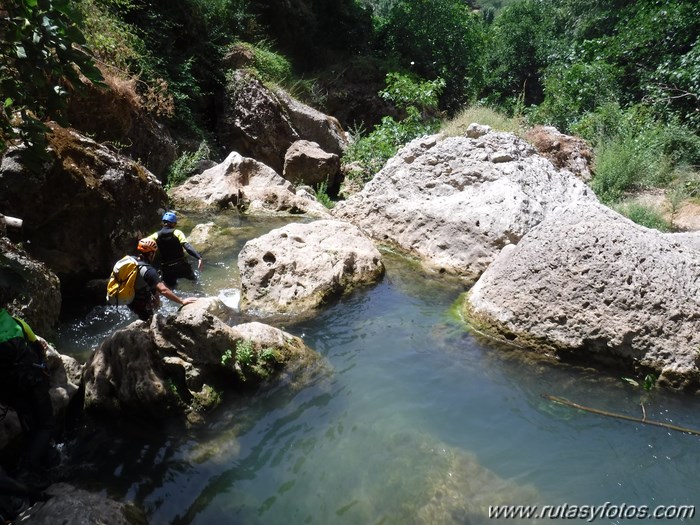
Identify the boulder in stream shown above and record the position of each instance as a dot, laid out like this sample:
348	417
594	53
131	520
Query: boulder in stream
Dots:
455	202
245	184
299	267
180	366
587	283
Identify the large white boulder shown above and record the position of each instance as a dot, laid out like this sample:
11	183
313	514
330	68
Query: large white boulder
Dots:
455	202
246	184
299	267
589	283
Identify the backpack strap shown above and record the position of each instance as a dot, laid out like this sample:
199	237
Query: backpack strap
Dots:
141	279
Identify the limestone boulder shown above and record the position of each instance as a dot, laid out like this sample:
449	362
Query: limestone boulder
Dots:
246	184
456	202
84	210
299	267
179	367
28	288
588	283
306	163
313	125
263	124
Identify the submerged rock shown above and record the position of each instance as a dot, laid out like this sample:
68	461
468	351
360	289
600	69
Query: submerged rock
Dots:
455	202
411	478
68	504
590	283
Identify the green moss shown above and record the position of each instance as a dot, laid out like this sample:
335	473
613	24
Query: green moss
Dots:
488	327
206	399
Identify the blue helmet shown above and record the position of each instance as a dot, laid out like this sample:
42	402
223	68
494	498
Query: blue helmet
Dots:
169	216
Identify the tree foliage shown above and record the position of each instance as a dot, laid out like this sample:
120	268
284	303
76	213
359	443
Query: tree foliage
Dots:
438	38
40	56
519	42
418	98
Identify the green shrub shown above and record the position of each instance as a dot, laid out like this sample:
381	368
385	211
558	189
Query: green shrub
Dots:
644	215
245	353
322	195
269	65
572	90
185	165
635	150
111	39
252	362
626	163
366	155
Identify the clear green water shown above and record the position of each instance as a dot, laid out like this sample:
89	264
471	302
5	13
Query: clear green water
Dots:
418	422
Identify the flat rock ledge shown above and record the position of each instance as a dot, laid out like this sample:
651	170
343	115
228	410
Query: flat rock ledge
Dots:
590	284
299	267
455	202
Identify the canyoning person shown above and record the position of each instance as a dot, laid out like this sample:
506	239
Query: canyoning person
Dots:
24	386
172	245
149	287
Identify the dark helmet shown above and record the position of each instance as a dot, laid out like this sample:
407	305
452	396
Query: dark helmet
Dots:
169	216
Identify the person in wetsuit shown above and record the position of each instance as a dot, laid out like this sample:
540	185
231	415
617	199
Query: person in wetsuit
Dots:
149	286
24	386
172	246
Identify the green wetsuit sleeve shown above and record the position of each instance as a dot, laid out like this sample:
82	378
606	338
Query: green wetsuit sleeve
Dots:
30	333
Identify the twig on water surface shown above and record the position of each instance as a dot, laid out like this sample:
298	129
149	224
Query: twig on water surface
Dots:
645	421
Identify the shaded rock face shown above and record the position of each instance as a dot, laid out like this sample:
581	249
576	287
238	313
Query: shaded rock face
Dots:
85	210
591	283
65	378
455	202
246	184
313	125
564	151
28	289
299	267
252	122
262	125
176	368
68	504
306	163
351	93
115	114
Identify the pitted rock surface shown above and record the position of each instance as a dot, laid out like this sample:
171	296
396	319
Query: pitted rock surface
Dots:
297	268
589	281
175	368
455	202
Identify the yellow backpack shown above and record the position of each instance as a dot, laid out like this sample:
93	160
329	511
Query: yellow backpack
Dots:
121	286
